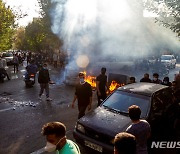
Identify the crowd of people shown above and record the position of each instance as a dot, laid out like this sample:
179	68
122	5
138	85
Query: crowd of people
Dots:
133	141
136	134
174	85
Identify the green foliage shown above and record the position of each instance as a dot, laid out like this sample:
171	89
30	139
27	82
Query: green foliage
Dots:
52	41
34	35
7	19
19	39
168	11
37	36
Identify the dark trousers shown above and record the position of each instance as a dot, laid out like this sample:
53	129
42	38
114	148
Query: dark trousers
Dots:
82	110
15	68
101	98
44	86
55	64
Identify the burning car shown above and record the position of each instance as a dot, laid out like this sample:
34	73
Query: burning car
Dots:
114	80
97	129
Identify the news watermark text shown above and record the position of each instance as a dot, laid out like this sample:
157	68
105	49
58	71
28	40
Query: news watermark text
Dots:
165	144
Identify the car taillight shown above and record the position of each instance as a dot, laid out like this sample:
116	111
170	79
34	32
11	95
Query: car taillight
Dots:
32	75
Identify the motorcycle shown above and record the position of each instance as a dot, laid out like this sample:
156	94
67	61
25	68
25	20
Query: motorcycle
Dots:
29	80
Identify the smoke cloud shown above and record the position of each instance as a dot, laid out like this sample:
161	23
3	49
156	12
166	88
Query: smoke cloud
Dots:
109	28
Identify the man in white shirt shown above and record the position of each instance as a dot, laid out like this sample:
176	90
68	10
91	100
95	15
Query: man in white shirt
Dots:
139	128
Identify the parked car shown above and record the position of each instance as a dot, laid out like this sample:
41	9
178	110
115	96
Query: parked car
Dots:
168	60
96	130
9	57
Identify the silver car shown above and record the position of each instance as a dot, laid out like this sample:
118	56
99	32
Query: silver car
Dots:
9	57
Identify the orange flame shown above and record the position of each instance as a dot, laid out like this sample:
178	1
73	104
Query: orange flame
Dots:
114	85
91	80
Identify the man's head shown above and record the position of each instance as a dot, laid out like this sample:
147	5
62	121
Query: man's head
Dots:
134	112
55	133
166	79
124	143
146	75
155	76
103	70
174	85
44	65
132	79
82	77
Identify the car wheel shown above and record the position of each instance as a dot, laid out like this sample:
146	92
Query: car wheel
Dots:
171	66
175	65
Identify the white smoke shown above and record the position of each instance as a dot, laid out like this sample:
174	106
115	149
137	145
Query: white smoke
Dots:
103	28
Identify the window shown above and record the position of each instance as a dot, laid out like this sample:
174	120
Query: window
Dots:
120	101
162	100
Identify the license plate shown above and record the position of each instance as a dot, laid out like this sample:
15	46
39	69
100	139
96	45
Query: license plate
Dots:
93	146
31	79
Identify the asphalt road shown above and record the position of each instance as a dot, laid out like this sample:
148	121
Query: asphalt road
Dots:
22	115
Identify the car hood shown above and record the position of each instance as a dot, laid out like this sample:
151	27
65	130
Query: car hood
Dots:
104	121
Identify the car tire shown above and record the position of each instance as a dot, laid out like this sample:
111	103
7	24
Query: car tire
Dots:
171	66
175	65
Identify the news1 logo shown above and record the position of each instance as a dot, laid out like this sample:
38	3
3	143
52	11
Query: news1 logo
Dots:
165	144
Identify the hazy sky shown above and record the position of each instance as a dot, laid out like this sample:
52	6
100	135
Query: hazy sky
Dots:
27	6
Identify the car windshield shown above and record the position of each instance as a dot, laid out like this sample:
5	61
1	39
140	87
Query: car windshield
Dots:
7	55
120	101
165	57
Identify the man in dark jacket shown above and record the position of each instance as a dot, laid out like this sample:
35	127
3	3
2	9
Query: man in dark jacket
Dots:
102	86
146	78
156	79
44	80
83	94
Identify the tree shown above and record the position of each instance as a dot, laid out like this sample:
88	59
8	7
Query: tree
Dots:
35	35
52	41
19	39
168	12
7	19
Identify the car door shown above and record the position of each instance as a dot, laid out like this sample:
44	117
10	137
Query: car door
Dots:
161	111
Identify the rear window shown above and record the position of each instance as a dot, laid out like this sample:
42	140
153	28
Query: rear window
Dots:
7	55
166	57
120	101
